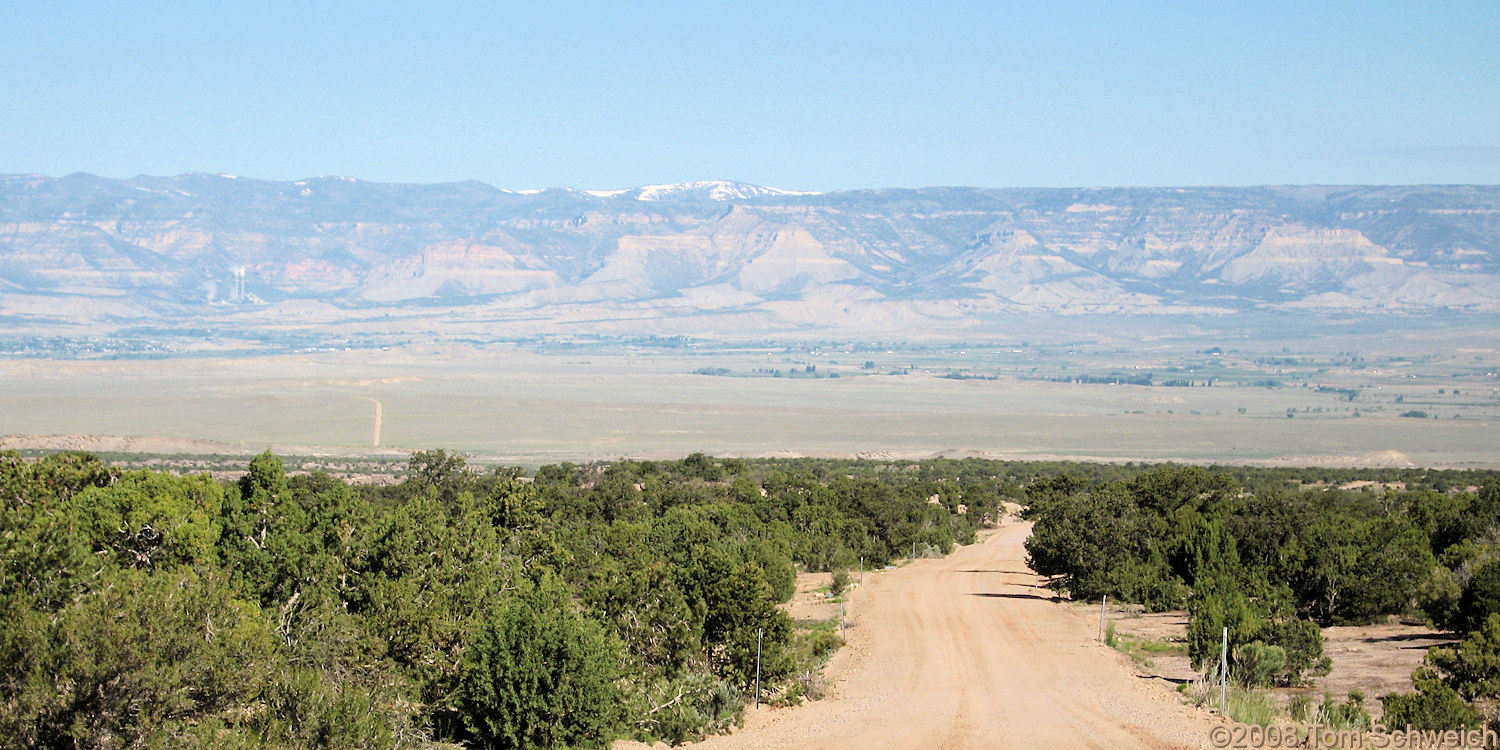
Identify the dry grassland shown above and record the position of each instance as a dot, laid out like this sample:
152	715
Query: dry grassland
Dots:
512	404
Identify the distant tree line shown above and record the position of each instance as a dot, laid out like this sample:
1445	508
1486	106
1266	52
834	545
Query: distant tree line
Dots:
1114	378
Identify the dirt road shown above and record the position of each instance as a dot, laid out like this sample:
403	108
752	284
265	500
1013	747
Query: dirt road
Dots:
970	652
379	417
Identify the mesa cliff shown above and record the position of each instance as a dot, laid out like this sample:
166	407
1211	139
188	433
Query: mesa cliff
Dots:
724	258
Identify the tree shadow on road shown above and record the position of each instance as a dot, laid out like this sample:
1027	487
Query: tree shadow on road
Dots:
1164	678
1016	596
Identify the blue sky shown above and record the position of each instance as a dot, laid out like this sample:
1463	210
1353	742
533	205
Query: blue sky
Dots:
805	95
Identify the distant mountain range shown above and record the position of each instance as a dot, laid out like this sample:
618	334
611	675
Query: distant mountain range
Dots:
719	257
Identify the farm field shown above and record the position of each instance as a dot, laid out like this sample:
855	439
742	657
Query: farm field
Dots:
535	405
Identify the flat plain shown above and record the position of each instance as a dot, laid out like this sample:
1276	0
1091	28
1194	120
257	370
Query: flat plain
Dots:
1431	405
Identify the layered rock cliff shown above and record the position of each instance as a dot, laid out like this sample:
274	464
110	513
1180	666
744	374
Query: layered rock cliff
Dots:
729	256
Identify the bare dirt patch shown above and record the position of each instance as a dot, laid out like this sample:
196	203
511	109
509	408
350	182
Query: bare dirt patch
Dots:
1375	659
812	602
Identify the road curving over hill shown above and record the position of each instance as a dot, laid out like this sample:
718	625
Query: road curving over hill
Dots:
970	651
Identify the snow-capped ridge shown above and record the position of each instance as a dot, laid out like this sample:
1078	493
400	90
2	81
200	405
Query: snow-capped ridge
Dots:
714	190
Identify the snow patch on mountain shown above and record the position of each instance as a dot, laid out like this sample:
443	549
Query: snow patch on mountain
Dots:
714	190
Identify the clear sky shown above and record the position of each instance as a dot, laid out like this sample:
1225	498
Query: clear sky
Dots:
800	95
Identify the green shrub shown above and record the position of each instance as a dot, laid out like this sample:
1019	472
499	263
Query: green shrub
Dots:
1302	642
1481	598
1218	604
1434	706
538	674
839	583
690	708
1248	706
1472	667
1258	664
819	644
143	653
1300	708
1150	583
1351	714
1440	593
307	709
1080	539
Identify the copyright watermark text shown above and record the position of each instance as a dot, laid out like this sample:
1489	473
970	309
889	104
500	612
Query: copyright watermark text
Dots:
1318	736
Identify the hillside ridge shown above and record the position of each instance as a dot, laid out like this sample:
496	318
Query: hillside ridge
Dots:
721	256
